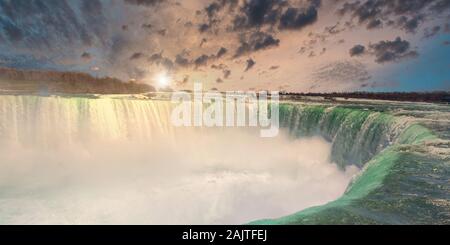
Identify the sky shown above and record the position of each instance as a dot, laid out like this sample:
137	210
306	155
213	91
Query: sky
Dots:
285	45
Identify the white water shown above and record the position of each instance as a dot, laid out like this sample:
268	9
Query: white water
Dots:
118	161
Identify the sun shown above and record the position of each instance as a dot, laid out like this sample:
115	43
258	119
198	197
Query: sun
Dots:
163	80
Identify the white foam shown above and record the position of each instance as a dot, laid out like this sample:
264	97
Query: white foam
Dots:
214	177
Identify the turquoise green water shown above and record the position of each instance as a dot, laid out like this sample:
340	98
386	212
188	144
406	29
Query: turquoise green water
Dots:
405	176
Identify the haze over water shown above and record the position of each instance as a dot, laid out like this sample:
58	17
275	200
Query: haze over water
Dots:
83	172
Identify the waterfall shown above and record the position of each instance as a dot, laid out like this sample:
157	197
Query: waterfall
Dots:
48	121
357	135
119	160
403	158
405	165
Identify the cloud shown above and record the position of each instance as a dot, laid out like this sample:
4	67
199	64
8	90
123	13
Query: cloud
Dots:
440	6
137	55
213	8
13	33
60	27
222	51
295	18
255	42
409	24
224	68
334	29
373	24
203	27
147	26
380	84
406	15
386	51
204	40
256	13
159	59
389	51
429	33
162	32
86	56
219	67
357	50
341	72
180	60
226	74
144	2
183	81
250	64
202	60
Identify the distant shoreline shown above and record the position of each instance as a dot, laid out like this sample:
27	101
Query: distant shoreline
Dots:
431	97
56	82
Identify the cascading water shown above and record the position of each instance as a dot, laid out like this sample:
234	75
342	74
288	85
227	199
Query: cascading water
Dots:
404	150
119	160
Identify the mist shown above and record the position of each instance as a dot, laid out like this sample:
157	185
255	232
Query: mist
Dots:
214	176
